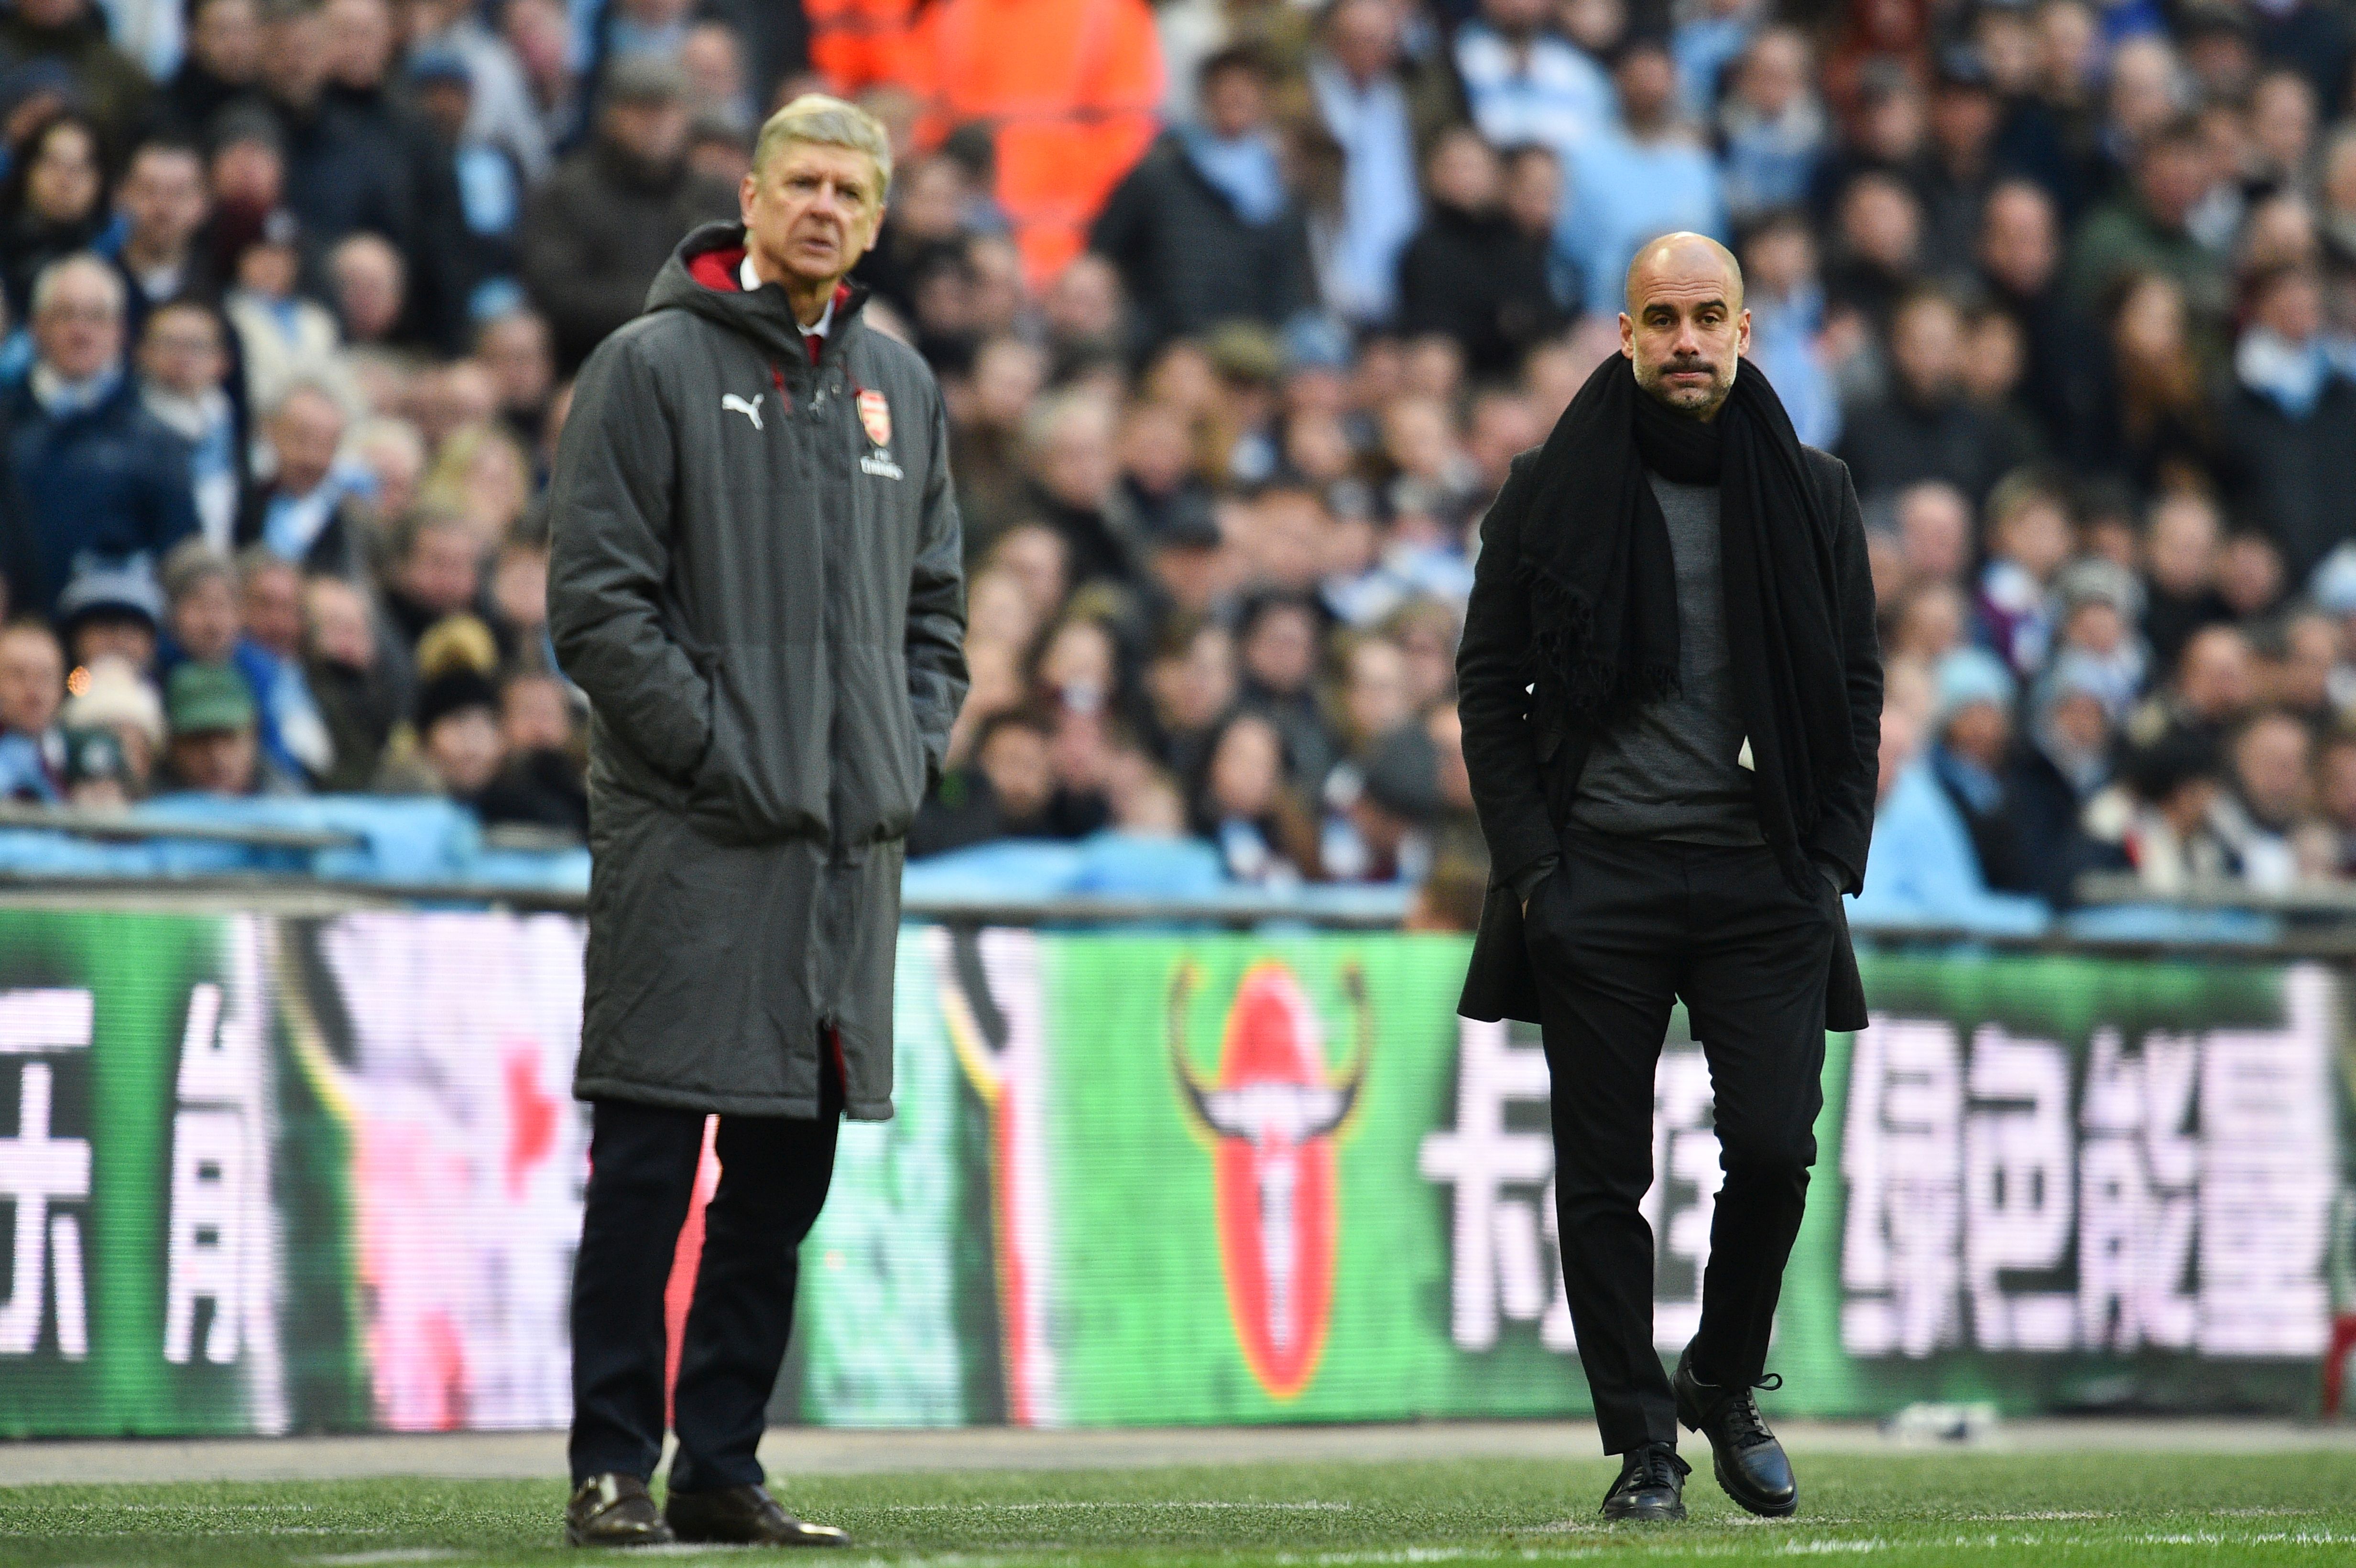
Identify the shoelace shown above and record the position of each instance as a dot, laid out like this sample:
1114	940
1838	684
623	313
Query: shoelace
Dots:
1744	1422
1659	1468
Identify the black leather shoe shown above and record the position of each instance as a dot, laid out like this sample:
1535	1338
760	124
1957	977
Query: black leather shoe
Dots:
614	1511
743	1516
1747	1461
1652	1486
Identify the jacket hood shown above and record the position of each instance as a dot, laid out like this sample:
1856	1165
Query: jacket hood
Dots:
700	277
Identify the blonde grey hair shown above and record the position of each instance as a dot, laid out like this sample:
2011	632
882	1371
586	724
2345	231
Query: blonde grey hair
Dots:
44	286
816	119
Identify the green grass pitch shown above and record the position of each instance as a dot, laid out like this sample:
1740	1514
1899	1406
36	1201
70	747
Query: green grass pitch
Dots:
2070	1510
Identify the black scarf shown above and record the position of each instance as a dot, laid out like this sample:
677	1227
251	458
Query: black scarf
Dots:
1603	586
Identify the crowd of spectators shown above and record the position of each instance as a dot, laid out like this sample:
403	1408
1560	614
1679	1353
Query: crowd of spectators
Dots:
1241	309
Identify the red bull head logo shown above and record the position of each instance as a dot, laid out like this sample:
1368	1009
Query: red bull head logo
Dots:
1274	1110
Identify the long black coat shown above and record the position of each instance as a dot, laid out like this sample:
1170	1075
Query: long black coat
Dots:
1524	766
758	579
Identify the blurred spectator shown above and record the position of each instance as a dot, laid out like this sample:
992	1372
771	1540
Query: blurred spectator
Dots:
459	747
487	182
1643	176
2289	423
2020	256
212	749
608	217
1246	805
2062	762
1279	648
32	687
369	285
2161	820
2030	534
283	337
1786	300
542	782
2214	690
2267	795
1472	271
222	62
358	699
1971	740
1924	870
115	697
1925	428
502	111
52	203
293	731
305	511
162	205
2180	544
1075	489
2148	230
73	34
436	572
99	478
1524	84
1957	177
1353	78
1771	128
514	346
114	610
1205	229
183	372
199	606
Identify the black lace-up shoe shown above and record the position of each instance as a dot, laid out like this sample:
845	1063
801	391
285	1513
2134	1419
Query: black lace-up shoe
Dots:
1747	1461
743	1516
614	1511
1651	1488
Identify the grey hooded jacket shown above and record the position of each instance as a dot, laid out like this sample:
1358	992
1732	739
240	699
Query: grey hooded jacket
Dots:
757	577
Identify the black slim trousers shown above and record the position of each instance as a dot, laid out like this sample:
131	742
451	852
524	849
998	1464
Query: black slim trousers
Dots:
774	1173
1620	930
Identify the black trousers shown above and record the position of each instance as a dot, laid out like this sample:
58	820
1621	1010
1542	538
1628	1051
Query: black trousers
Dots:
1620	931
774	1174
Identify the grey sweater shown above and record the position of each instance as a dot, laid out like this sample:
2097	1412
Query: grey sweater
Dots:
1669	770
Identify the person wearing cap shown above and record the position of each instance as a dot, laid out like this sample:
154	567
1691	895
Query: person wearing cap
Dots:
112	610
605	223
213	749
459	748
99	477
1966	116
757	578
2064	762
1669	689
1971	739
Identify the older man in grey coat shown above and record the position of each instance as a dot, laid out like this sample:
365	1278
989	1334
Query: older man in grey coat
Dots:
757	579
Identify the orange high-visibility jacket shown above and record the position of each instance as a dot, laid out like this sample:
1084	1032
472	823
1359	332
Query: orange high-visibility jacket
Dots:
1070	88
857	44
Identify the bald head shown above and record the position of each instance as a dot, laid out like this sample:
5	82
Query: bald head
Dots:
1685	327
1685	260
